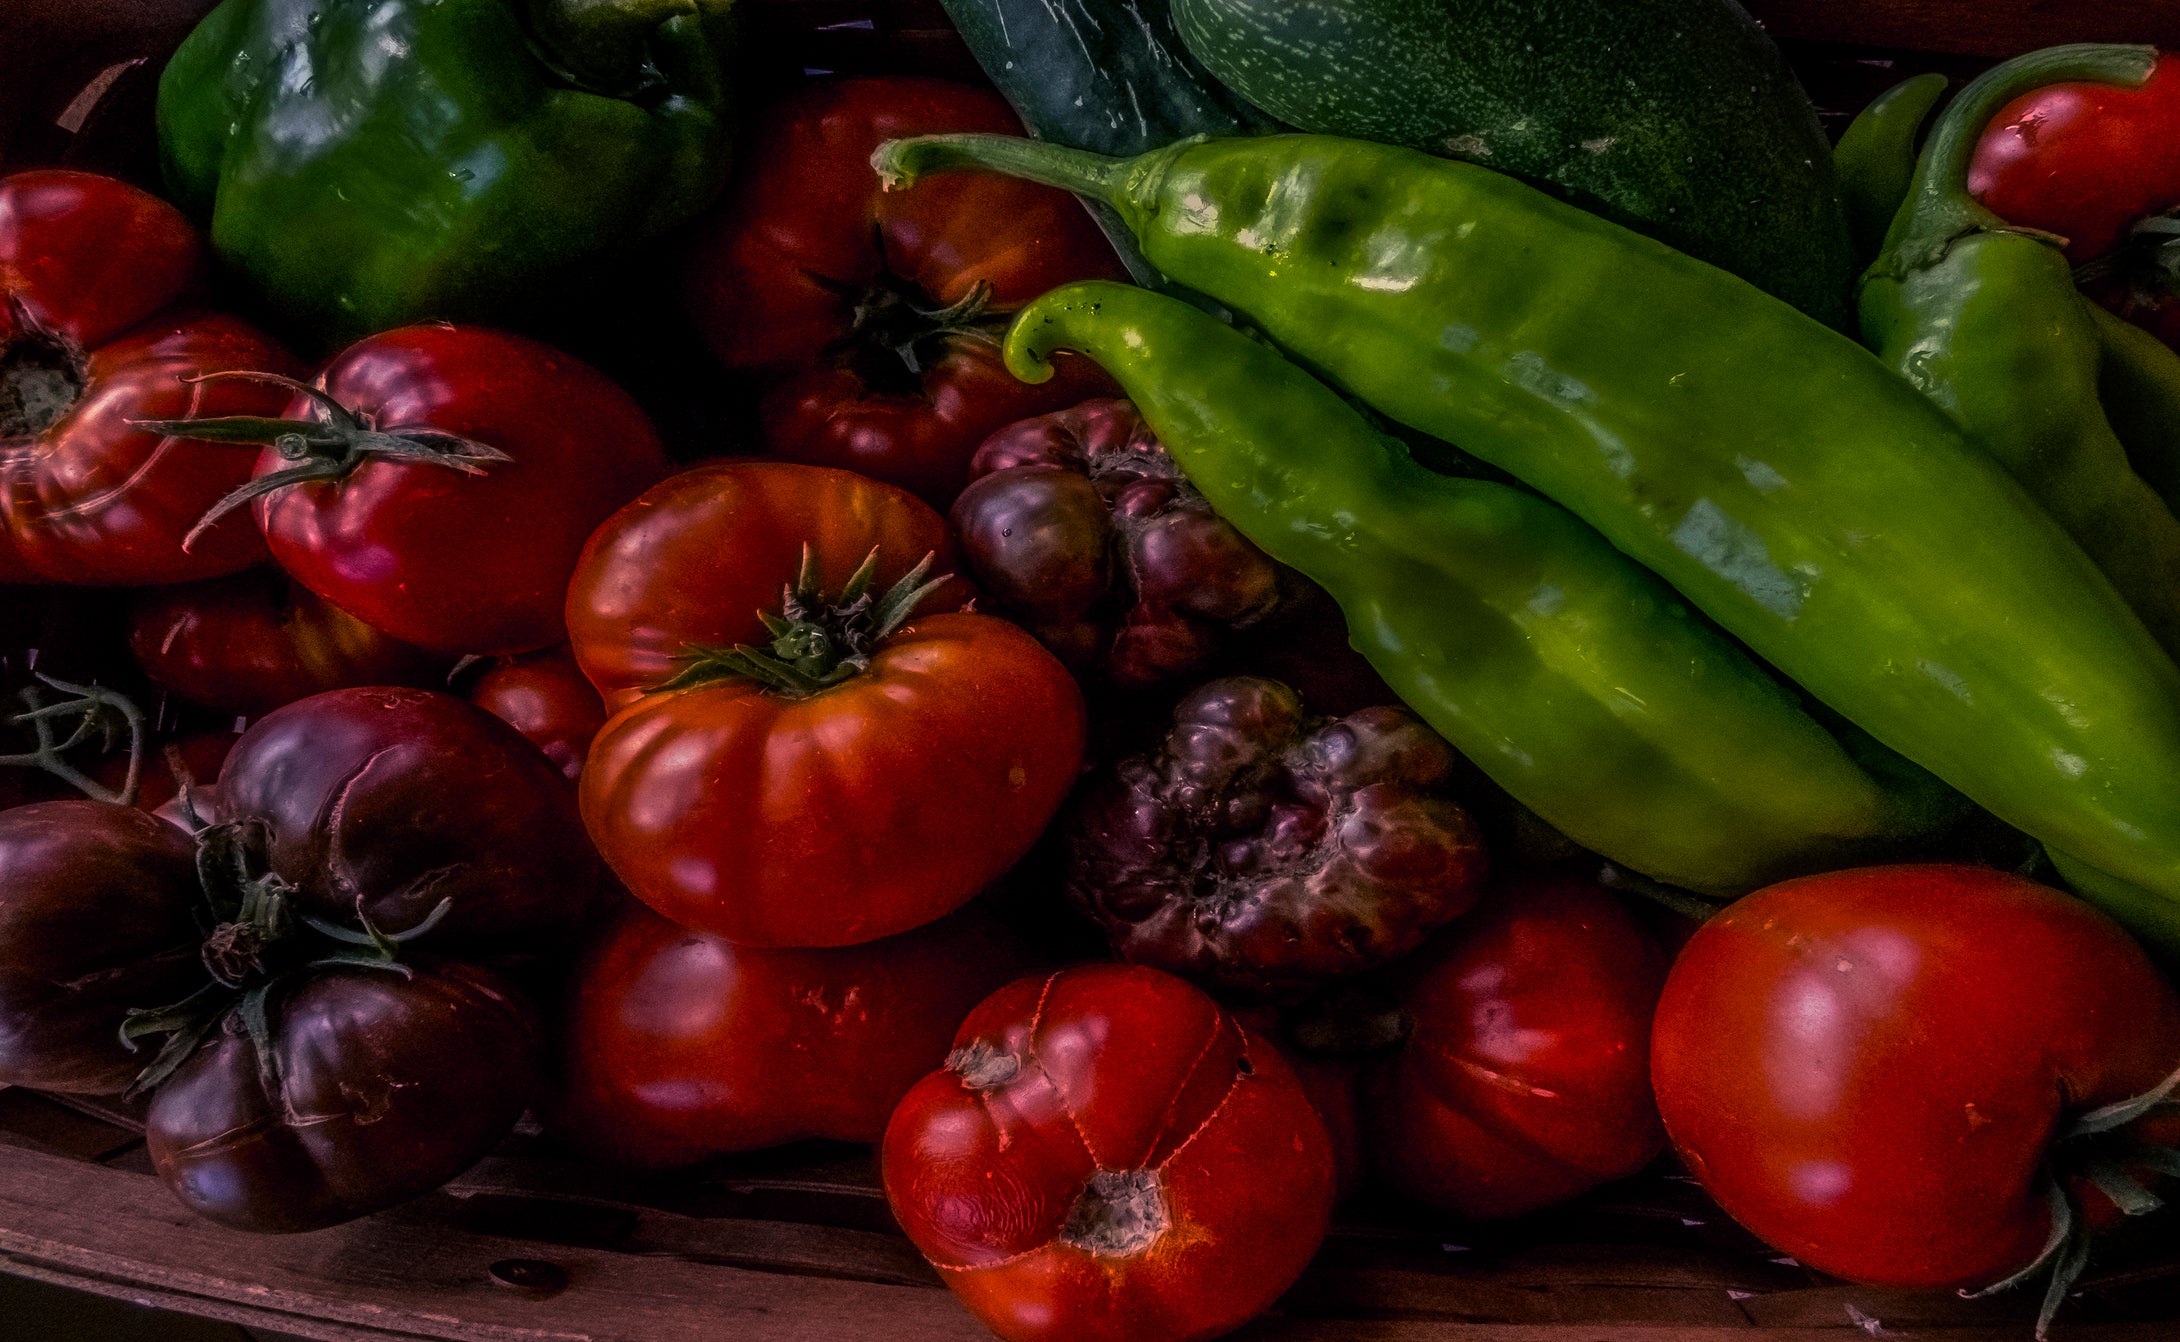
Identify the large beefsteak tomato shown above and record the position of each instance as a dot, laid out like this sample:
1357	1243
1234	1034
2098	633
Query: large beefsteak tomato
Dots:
867	769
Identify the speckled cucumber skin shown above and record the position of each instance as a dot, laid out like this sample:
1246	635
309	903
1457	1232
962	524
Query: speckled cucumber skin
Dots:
1677	118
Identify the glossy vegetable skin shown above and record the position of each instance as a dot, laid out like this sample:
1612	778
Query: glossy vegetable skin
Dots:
1525	1077
1986	321
875	316
452	475
366	164
94	334
545	696
915	767
1080	527
1108	1154
678	1046
1566	672
250	643
1871	1069
1786	482
1876	158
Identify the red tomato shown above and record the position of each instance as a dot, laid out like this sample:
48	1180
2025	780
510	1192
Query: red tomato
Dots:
825	817
680	1046
544	696
1110	1154
878	313
1525	1079
1868	1069
249	643
448	560
90	339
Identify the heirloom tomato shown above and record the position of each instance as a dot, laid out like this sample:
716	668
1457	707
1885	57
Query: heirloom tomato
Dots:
1109	1154
319	1054
437	482
847	763
679	1046
545	696
94	341
251	642
1885	1072
877	314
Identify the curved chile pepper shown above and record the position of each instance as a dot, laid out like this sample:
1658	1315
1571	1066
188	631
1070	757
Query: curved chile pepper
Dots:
2140	387
1985	320
372	163
1777	474
1876	158
1574	678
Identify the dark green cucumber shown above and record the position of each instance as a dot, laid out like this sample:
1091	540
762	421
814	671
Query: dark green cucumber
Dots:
1110	76
1677	118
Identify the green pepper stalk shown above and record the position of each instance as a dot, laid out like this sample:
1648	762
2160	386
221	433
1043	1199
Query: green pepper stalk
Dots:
1574	678
371	163
1783	479
1984	318
1876	159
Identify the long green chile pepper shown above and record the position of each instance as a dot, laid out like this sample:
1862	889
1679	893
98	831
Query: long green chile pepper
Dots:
1566	671
2140	386
1781	477
1876	159
1985	320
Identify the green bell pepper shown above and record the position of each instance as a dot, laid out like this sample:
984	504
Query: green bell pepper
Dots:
1984	319
1573	677
370	163
1791	485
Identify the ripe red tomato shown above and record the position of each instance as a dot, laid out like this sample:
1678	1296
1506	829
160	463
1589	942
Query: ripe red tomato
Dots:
471	559
545	696
249	643
679	1046
91	339
884	777
1110	1154
1525	1078
878	313
1869	1069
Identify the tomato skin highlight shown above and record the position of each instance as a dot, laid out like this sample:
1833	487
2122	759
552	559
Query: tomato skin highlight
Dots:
1867	1068
451	562
678	1046
1109	1154
545	696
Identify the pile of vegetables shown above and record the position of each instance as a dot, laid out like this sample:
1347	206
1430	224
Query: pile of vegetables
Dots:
1552	622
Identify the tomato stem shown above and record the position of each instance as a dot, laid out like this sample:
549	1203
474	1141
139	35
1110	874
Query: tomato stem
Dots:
98	711
42	376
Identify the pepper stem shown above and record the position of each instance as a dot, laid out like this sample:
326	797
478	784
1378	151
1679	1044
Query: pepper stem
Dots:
1939	210
902	163
328	447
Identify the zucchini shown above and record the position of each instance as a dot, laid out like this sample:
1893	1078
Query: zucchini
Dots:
1677	118
1110	76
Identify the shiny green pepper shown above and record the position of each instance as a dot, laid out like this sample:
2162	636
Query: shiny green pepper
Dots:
1984	319
1876	159
370	163
1791	485
1573	677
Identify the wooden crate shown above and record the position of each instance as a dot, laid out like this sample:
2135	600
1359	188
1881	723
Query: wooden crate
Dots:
796	1245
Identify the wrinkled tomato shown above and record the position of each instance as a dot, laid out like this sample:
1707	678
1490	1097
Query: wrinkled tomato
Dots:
861	767
876	315
1109	1154
94	336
